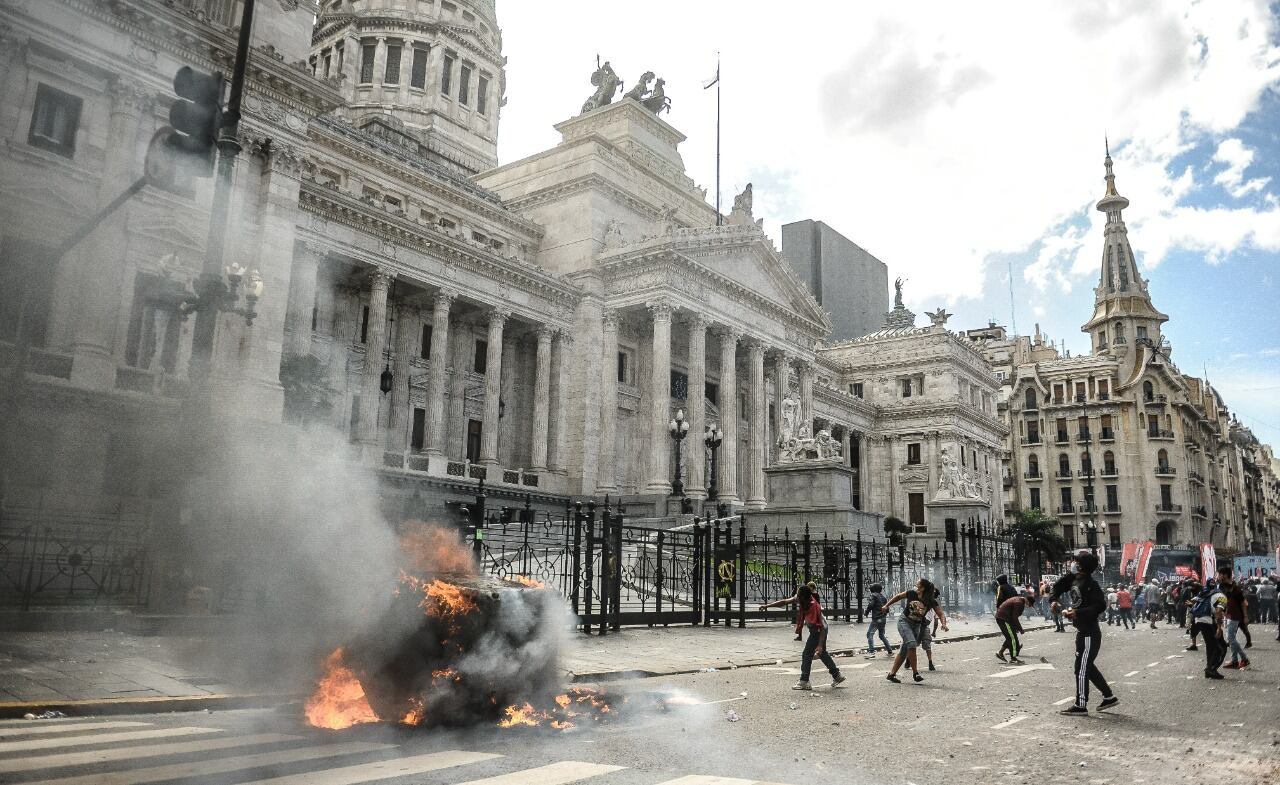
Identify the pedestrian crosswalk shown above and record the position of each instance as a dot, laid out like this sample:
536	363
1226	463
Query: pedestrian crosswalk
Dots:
80	752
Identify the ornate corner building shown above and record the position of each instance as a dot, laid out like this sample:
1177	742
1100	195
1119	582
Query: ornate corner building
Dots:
1120	439
535	324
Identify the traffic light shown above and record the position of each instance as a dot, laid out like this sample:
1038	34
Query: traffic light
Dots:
196	114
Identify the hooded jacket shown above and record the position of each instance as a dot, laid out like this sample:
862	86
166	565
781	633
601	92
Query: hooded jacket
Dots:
1081	592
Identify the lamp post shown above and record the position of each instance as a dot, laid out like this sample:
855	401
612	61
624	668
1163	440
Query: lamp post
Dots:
678	427
713	438
1090	530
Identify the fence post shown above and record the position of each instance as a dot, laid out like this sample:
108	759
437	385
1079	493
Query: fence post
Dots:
742	571
808	568
576	585
902	565
606	571
844	579
858	557
589	573
696	570
615	571
708	568
657	576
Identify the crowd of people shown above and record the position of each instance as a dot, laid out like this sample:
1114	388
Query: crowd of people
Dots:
1216	615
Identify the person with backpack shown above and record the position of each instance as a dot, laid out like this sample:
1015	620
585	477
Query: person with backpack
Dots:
876	621
1207	613
816	645
1153	598
1083	602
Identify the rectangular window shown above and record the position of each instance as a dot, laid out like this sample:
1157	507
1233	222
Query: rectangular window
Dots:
1080	392
713	393
1142	332
446	76
367	53
1069	534
464	84
474	431
1113	497
906	388
482	95
622	368
1066	498
364	324
24	266
425	349
328	65
913	453
1103	389
55	117
481	360
962	455
1035	499
392	73
855	389
418	437
679	385
915	511
1166	496
152	339
418	74
1113	534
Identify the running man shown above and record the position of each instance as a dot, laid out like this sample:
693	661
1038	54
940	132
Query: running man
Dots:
1007	619
1083	602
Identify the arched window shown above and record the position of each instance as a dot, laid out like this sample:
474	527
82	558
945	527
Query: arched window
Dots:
1165	531
1162	459
1064	465
1086	463
1148	391
1033	466
1109	462
1030	398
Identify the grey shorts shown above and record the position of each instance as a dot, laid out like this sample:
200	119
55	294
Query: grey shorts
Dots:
909	633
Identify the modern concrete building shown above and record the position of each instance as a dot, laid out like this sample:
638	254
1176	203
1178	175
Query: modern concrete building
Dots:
851	284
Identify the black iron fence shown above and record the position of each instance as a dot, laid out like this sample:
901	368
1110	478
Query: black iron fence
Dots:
719	571
57	558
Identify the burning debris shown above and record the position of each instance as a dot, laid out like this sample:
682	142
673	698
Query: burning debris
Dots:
453	648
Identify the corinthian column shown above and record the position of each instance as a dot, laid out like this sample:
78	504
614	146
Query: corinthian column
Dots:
492	388
559	384
374	347
607	473
407	329
806	394
302	298
697	399
438	369
755	453
660	399
541	399
727	488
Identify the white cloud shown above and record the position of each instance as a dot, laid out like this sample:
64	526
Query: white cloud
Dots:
933	135
1237	158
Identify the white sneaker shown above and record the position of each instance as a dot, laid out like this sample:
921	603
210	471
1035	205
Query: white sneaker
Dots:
802	685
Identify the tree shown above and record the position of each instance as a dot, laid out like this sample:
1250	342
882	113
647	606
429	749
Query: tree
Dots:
1039	536
895	528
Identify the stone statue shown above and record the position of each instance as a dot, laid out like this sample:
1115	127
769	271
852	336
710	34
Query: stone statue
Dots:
742	205
938	317
790	416
613	235
607	85
897	296
667	220
641	88
657	101
954	483
797	442
827	446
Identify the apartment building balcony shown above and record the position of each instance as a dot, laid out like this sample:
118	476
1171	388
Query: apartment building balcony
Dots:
1063	475
1199	512
1085	473
1104	396
1109	472
1160	435
1107	435
1172	509
1036	475
1088	509
1196	477
1166	471
1083	436
1062	438
1028	440
1111	509
1071	510
1156	400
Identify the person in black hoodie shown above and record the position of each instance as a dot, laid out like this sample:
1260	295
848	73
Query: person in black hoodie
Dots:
1083	601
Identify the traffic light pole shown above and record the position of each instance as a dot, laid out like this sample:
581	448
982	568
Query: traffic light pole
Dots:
210	287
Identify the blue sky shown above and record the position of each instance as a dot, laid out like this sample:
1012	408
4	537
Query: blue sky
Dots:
951	139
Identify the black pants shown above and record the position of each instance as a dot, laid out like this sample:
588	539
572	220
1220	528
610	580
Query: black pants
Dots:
1215	649
1010	633
1126	618
811	648
1087	646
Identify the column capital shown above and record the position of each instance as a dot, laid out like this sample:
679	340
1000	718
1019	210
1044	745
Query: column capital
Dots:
444	298
126	96
498	315
545	333
729	334
698	319
565	337
314	248
380	277
660	310
609	317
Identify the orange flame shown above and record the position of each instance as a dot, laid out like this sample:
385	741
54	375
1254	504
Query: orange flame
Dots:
525	580
339	700
430	549
522	715
416	714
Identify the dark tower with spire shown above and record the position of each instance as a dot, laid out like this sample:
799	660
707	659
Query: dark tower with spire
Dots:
1124	322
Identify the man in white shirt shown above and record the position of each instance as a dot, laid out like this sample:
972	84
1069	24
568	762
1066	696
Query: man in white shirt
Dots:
1208	611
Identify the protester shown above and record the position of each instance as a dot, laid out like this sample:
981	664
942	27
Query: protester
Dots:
1206	620
1113	612
1267	610
1153	597
1003	590
1007	618
1190	592
1236	609
916	603
1124	603
816	645
1084	602
876	618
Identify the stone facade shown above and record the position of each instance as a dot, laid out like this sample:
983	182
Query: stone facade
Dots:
1121	439
536	324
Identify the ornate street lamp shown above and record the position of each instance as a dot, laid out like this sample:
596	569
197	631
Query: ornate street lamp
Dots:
220	294
713	438
678	428
1090	530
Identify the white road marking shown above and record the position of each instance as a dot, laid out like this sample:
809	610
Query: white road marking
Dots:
178	771
697	779
712	703
1007	723
858	666
1064	700
100	738
381	770
1131	673
1174	657
132	753
1152	664
68	727
1021	669
972	659
555	774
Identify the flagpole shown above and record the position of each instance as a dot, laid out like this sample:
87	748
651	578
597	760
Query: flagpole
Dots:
719	214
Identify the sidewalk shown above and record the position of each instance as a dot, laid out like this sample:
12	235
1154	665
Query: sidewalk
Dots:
118	672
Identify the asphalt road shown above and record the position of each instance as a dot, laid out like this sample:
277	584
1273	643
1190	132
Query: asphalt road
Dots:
972	721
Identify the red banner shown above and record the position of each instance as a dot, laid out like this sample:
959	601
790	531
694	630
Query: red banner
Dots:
1127	554
1208	561
1185	571
1144	559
